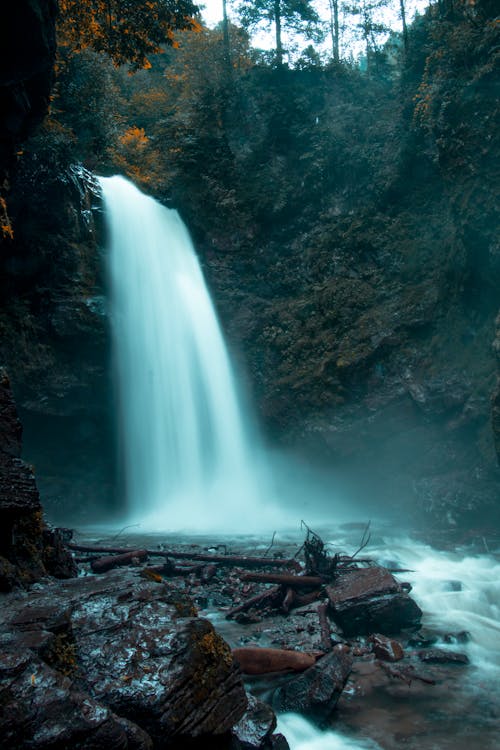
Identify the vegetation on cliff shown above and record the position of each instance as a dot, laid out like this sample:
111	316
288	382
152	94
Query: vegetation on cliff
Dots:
345	213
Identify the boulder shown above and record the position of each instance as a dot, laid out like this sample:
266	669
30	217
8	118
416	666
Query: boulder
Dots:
386	649
122	649
316	691
254	729
442	656
368	600
41	708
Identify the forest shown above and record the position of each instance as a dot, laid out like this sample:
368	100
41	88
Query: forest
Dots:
337	168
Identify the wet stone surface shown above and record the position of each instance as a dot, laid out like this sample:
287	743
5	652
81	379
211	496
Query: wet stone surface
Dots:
126	662
91	650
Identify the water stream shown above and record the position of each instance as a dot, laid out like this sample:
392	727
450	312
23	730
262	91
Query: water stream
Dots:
191	463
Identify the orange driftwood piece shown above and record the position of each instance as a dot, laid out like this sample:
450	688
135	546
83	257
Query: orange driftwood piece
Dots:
254	660
103	564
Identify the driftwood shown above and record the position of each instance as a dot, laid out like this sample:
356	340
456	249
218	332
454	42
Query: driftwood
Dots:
260	600
264	660
326	638
225	560
103	564
283	579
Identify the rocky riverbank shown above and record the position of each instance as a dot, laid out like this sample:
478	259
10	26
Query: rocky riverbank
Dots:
128	658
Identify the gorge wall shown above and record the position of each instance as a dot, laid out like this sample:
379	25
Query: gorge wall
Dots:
352	254
53	338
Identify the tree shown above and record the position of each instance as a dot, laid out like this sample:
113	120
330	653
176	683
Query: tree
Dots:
296	15
370	24
402	7
126	30
335	28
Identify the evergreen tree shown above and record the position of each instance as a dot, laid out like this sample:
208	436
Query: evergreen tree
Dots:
295	15
369	24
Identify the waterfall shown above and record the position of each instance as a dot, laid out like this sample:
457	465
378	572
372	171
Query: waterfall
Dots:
189	459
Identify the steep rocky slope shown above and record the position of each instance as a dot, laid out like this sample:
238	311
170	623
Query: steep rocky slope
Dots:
349	238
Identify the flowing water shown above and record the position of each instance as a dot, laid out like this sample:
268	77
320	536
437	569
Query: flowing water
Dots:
192	463
189	458
457	591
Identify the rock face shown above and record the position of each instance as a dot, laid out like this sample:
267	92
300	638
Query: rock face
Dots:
109	662
28	549
53	337
27	51
495	401
370	600
51	283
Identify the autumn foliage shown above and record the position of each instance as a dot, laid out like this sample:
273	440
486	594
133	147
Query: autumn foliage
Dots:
126	30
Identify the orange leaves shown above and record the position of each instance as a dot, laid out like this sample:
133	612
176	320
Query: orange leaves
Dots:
195	25
6	231
134	137
128	32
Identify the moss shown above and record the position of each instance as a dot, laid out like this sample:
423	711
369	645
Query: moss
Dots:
212	654
62	654
184	606
27	546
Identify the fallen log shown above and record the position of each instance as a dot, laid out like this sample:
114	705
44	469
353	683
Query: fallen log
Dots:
260	600
226	560
326	638
103	564
284	579
255	660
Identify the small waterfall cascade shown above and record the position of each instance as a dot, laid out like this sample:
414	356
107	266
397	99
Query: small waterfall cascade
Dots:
189	460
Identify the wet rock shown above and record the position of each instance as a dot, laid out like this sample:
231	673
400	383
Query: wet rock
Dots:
11	430
495	398
255	727
422	639
316	691
120	646
28	548
41	708
386	649
442	656
368	600
57	559
461	637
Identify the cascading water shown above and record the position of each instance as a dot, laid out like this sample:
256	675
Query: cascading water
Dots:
189	462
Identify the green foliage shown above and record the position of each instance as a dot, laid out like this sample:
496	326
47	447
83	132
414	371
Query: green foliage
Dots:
368	22
295	15
87	103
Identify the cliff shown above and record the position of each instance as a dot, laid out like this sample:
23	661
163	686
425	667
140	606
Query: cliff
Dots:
346	223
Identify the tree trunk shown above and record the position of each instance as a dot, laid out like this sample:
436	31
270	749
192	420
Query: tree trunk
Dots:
277	23
225	37
334	29
403	21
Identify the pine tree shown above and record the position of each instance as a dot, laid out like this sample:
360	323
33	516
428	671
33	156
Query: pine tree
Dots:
295	15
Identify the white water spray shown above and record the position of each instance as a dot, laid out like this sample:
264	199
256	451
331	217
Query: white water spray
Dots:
189	462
